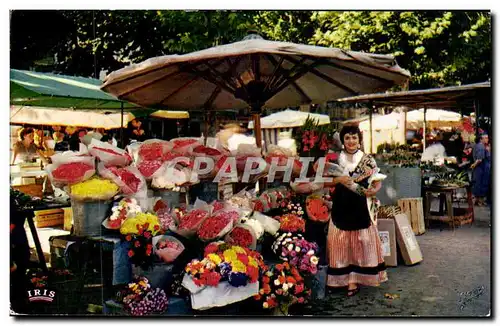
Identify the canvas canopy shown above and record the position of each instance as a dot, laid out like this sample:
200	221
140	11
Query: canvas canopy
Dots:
29	88
289	119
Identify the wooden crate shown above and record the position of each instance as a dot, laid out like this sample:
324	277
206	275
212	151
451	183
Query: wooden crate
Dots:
49	217
413	208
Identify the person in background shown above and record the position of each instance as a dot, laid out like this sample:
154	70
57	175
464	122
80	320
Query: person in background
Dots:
76	139
135	132
435	152
57	135
25	150
481	170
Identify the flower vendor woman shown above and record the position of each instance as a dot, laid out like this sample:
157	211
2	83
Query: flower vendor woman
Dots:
354	251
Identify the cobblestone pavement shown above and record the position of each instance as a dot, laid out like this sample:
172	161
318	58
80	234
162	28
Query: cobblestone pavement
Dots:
452	280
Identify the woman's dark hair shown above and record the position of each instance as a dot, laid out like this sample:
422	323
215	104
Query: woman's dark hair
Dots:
24	132
350	129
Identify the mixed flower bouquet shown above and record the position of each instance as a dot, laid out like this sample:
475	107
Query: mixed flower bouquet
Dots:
140	299
281	286
138	232
299	252
292	223
224	262
127	207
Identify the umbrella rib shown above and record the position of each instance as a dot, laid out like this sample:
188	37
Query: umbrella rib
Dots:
277	67
279	82
232	68
216	74
256	66
181	69
212	97
179	89
298	75
210	79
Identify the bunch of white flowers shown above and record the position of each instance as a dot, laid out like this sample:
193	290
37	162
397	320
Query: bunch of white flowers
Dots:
126	208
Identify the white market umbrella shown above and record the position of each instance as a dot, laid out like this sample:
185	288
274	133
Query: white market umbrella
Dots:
417	116
253	73
58	117
289	119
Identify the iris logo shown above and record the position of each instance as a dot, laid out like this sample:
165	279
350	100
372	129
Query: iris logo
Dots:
41	295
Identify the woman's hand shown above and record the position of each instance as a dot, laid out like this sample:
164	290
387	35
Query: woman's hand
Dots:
372	191
344	180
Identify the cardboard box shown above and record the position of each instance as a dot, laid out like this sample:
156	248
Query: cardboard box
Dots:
407	242
387	235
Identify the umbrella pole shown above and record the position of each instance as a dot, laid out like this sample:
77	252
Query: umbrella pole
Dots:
258	132
476	111
121	128
425	125
371	127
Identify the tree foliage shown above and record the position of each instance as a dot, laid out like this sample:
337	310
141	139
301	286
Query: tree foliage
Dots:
439	48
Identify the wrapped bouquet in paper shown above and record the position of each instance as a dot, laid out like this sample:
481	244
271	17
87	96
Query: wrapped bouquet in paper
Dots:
108	154
269	224
70	169
215	227
150	169
165	214
189	223
256	226
278	157
154	149
93	189
242	235
129	179
174	177
185	146
318	208
167	248
127	207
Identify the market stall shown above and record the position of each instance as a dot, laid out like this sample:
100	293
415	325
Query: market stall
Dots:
264	250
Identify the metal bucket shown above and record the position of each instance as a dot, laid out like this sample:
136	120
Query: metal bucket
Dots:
88	216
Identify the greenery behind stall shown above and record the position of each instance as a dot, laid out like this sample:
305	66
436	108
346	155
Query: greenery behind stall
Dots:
439	48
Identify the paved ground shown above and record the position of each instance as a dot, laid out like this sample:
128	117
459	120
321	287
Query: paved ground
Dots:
452	280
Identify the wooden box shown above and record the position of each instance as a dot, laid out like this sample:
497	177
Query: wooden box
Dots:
49	217
413	208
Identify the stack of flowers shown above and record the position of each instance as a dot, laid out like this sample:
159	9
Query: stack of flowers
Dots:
139	299
127	207
281	287
312	139
272	199
299	252
292	223
256	226
223	262
108	154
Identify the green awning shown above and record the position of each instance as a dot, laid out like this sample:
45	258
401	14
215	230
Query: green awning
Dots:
30	88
